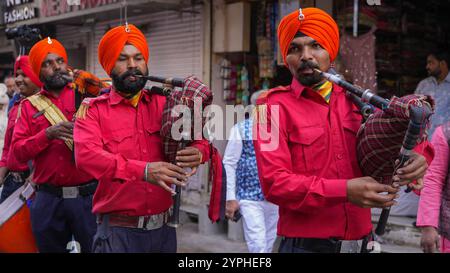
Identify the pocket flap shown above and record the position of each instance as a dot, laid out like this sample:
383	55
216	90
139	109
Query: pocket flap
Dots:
306	136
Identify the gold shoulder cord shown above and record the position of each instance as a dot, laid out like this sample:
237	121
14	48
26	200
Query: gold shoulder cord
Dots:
51	112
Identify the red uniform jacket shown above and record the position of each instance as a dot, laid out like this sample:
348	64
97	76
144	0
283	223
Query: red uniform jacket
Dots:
53	161
113	142
8	159
307	173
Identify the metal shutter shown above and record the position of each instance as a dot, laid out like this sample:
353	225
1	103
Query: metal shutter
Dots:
175	41
75	43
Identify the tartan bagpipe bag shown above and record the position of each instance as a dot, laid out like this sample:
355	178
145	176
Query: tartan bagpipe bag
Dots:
193	98
380	138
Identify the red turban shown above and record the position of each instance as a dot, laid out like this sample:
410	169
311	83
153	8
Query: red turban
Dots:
40	51
113	42
23	63
316	24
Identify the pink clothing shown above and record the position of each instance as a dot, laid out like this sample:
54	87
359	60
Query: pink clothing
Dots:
435	179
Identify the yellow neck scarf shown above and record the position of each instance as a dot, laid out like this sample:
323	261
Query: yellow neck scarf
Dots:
324	90
135	99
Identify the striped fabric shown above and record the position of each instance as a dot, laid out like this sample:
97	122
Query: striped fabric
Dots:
325	90
192	91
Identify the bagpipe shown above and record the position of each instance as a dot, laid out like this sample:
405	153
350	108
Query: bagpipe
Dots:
387	135
195	96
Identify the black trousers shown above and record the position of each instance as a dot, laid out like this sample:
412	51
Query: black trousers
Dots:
55	220
296	245
132	240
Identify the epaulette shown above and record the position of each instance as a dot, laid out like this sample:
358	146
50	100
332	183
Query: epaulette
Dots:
261	102
86	103
19	110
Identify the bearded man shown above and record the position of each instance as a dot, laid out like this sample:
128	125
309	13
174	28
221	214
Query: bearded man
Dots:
117	139
43	134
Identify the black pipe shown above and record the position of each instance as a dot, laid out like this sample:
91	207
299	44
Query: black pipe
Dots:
364	108
163	91
178	82
366	96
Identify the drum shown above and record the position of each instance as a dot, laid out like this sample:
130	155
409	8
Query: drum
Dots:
15	224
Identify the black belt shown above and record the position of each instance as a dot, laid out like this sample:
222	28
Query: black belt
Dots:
22	174
317	245
69	192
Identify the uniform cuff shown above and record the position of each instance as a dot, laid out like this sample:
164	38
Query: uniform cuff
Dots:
136	170
335	189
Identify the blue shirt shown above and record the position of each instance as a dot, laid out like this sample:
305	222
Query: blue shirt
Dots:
441	95
15	98
240	164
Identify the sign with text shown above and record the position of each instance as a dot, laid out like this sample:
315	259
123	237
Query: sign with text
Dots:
57	7
18	10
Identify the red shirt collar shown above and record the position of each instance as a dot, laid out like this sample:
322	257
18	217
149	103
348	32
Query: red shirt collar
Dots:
46	93
116	98
298	88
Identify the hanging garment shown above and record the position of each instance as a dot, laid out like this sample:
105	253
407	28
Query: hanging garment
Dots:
358	57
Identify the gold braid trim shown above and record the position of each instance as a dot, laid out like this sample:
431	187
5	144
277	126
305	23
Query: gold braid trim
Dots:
261	113
51	112
82	111
19	110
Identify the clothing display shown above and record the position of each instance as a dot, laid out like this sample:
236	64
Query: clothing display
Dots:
358	55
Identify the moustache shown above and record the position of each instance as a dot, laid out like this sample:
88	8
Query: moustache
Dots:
308	64
64	75
130	73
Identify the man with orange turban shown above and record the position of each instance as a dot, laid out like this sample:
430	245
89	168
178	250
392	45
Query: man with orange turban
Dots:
118	141
43	134
308	168
12	172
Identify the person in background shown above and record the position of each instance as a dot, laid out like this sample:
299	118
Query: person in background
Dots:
437	85
4	100
10	83
13	91
13	172
244	192
433	216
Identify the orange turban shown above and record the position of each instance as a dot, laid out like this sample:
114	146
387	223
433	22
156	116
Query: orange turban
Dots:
316	24
40	51
113	42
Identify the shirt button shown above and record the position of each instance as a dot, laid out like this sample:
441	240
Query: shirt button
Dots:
140	131
133	178
339	156
144	151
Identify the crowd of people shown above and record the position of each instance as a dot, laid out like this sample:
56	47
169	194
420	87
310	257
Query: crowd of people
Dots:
101	175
